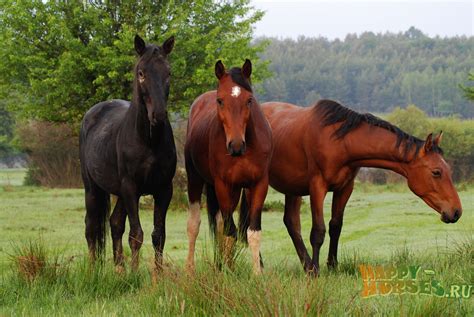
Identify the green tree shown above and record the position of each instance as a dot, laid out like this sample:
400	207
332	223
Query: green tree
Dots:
373	72
469	90
6	132
58	58
457	141
411	120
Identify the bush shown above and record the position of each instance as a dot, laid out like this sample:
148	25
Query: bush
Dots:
53	154
457	142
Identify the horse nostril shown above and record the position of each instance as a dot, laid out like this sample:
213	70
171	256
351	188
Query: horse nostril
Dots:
236	148
457	214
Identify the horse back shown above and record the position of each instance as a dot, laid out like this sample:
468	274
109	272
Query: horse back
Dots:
317	152
202	116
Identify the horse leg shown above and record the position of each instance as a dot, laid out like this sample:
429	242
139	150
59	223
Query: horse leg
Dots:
228	199
135	237
318	191
158	236
216	223
339	202
195	187
257	196
117	227
97	208
293	225
229	237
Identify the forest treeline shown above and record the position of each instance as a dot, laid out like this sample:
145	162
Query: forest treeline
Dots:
372	72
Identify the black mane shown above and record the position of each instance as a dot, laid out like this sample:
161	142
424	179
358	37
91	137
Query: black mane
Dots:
238	78
333	112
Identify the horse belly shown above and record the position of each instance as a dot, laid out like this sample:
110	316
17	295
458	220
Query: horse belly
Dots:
340	178
289	174
100	165
298	186
107	179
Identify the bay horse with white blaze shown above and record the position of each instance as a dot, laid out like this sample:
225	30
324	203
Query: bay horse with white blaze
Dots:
321	148
127	149
228	148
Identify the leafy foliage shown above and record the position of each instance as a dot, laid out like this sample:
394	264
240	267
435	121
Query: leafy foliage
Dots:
373	72
58	58
6	132
458	136
469	90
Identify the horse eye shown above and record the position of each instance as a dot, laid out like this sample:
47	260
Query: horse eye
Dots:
436	173
249	102
220	102
140	74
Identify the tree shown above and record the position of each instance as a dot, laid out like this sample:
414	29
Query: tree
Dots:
373	72
411	120
469	90
6	132
58	58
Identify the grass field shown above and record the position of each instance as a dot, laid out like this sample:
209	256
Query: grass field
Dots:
383	225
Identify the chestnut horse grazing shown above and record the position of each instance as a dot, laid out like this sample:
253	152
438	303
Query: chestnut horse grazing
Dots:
127	149
228	148
321	148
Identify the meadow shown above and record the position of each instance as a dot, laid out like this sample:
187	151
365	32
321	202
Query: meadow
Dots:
383	225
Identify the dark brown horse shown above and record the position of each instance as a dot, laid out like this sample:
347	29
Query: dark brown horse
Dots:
127	149
228	147
321	148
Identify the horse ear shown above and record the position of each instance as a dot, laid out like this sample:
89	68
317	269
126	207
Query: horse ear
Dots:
168	45
438	139
429	143
140	45
247	68
220	69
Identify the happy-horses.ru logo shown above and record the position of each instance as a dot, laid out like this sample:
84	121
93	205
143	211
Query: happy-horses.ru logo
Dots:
388	279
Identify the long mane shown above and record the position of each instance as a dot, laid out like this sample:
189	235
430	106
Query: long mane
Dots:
332	112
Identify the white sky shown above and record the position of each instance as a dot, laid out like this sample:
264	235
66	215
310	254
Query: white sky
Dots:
335	19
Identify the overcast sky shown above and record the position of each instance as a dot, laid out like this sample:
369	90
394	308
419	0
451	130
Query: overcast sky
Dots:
335	19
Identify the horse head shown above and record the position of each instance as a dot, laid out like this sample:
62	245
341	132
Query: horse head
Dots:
152	77
429	177
234	102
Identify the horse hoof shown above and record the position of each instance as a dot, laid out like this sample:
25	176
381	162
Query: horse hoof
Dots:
190	269
258	271
332	266
312	271
120	269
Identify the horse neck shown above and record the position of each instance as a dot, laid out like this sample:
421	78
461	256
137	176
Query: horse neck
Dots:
256	117
371	146
138	122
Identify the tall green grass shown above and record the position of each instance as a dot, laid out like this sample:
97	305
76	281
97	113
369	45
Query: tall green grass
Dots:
44	268
74	287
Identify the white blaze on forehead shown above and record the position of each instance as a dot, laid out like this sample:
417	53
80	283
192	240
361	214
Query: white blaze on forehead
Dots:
235	91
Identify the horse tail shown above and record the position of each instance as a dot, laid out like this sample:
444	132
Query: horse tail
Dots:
103	218
212	209
244	221
97	218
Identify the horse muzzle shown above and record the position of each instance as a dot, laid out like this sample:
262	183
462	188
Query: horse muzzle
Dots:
236	148
155	117
453	217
